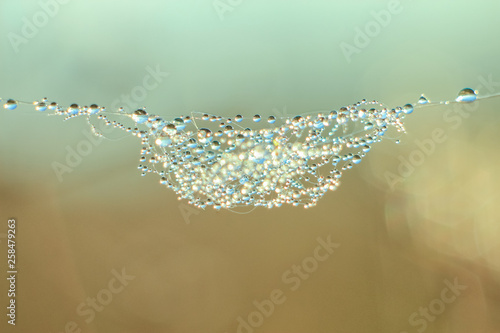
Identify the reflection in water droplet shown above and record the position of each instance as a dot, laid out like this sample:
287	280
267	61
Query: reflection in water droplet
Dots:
466	95
73	109
408	108
179	124
163	140
256	118
41	107
204	135
10	104
140	116
423	100
93	109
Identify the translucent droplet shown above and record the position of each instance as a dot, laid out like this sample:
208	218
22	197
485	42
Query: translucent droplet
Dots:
179	124
216	145
356	159
238	118
140	116
423	100
53	106
297	120
170	129
94	109
73	109
163	140
10	104
271	119
368	126
256	118
466	95
408	108
342	118
228	130
204	135
41	107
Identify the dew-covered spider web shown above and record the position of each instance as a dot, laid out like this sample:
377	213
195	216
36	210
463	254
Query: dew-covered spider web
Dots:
230	162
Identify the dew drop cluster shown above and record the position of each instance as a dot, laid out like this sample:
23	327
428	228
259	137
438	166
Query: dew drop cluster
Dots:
229	162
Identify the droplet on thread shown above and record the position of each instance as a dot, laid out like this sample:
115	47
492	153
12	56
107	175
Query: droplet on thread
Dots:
10	104
466	95
73	109
408	108
423	100
140	116
41	106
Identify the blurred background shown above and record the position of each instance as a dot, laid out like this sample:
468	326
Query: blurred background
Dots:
101	249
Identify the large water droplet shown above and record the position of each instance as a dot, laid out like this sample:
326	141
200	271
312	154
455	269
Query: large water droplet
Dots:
204	135
170	129
423	100
94	109
216	145
73	109
466	95
163	140
256	118
140	116
10	104
408	108
179	124
41	106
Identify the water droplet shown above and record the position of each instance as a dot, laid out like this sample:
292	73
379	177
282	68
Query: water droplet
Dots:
256	118
342	118
238	118
41	107
179	124
298	121
423	100
408	108
216	145
94	109
170	129
53	106
228	130
271	119
368	126
10	104
140	116
204	135
466	95
356	159
73	109
163	140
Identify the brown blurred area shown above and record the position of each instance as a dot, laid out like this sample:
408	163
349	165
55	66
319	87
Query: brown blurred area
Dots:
416	224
